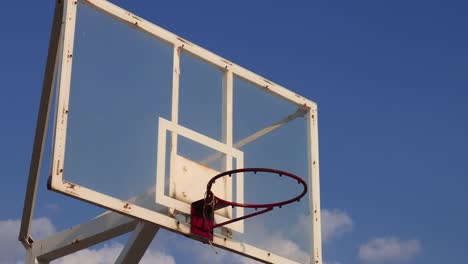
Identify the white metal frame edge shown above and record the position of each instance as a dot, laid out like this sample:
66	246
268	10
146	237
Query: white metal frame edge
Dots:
63	94
220	62
164	221
314	181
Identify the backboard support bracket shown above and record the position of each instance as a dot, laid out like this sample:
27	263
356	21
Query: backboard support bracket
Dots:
202	221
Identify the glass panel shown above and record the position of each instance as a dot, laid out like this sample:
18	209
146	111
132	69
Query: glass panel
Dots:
256	109
200	100
121	84
284	231
201	154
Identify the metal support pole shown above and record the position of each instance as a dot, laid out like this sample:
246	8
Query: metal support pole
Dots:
138	243
41	126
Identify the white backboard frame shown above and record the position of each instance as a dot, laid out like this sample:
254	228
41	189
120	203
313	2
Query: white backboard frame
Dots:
58	183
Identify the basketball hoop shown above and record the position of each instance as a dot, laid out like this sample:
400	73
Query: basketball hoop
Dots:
202	211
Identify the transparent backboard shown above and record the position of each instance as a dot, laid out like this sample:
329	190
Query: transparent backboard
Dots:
144	119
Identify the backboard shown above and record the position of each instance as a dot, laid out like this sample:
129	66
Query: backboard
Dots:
144	119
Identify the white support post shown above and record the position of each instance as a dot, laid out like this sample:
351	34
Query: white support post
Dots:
175	97
30	258
41	126
97	230
227	138
227	115
314	182
174	112
138	243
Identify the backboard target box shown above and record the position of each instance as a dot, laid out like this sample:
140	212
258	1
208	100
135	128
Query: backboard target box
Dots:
144	119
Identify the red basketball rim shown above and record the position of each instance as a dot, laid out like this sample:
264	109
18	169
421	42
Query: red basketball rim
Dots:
255	170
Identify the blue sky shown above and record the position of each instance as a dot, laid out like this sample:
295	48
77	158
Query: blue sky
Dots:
390	81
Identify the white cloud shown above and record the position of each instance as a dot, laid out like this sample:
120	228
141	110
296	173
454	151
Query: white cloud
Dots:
204	253
11	250
335	223
109	253
52	207
42	228
389	249
287	248
152	256
106	254
260	236
293	245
